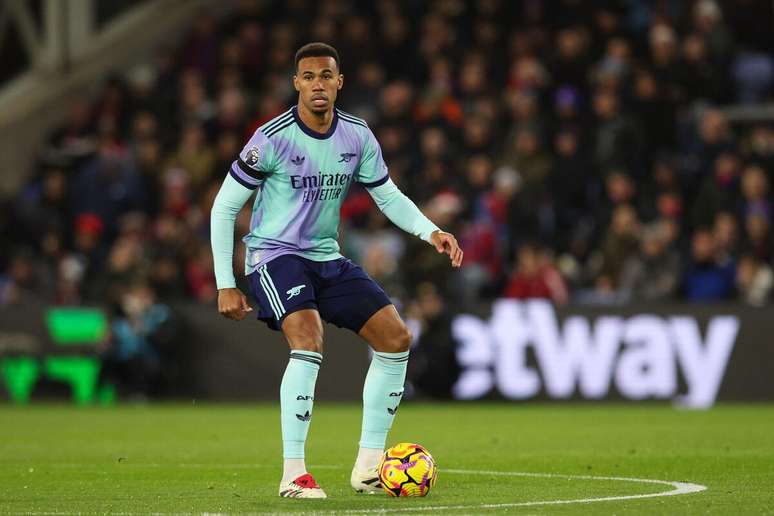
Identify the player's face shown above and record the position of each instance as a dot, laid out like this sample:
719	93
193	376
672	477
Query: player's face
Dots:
318	82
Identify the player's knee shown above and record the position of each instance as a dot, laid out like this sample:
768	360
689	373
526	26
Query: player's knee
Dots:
304	332
401	340
305	337
309	343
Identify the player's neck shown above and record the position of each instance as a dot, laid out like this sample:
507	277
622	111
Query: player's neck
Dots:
318	122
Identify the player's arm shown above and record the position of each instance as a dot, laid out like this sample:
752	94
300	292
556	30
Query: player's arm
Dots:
246	174
372	173
405	214
232	196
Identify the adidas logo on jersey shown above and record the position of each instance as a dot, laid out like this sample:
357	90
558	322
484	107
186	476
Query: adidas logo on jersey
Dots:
306	417
298	160
392	411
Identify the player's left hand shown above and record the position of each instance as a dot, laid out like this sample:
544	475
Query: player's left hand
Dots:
446	243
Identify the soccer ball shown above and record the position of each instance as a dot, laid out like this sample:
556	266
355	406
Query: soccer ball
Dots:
407	469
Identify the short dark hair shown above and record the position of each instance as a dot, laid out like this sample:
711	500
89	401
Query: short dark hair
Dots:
318	49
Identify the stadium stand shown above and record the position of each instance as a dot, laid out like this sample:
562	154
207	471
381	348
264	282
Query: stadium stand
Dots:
585	155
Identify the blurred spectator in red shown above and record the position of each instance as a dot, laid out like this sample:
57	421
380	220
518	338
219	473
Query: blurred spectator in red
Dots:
535	276
175	192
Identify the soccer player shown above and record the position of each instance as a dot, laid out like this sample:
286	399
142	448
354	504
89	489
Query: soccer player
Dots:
300	165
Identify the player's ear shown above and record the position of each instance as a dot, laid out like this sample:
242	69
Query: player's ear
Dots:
295	83
340	81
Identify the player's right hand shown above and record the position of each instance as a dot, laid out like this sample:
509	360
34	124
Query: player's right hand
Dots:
233	304
446	243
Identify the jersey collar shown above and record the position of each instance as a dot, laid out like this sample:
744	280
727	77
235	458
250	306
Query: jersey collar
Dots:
311	132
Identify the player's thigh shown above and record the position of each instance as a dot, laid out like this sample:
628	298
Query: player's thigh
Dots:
385	331
282	287
347	297
303	329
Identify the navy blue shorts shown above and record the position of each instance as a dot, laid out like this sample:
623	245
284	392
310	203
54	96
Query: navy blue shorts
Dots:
339	290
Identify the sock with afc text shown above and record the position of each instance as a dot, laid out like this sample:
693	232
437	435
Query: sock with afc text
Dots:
382	393
296	400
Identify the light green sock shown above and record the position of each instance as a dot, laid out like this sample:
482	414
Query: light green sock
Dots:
382	393
296	400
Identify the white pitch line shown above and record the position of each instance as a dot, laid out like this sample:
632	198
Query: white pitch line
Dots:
680	488
128	462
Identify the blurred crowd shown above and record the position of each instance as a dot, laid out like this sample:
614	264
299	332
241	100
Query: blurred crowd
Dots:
580	151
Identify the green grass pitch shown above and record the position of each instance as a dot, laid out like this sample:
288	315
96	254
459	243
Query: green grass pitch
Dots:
226	458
